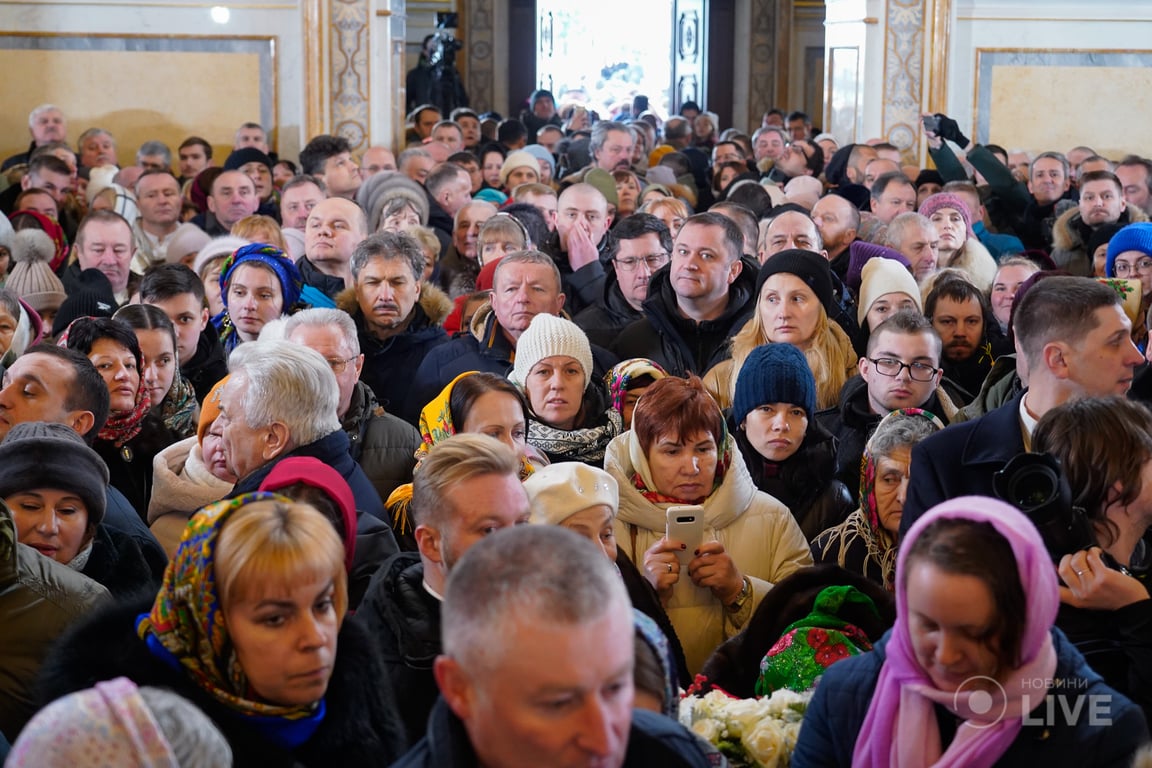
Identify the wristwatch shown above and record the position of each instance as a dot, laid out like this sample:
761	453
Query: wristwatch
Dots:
741	598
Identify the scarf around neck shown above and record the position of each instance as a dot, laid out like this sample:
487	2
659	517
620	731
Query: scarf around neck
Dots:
900	728
642	474
122	426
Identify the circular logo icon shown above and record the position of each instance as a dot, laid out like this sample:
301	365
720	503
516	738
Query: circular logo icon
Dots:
981	700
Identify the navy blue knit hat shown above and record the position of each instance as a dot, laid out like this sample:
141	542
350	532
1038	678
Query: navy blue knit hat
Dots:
774	373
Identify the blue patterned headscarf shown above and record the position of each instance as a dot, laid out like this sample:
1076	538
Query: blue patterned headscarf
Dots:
291	284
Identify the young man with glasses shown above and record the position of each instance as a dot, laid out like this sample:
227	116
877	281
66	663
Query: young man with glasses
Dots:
641	245
901	369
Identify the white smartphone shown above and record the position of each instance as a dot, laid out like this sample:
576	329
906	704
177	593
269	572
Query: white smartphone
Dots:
686	525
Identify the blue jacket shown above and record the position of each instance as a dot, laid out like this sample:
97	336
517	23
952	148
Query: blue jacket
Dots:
655	741
961	460
843	695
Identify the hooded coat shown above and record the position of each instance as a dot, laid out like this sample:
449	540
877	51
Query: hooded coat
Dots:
757	531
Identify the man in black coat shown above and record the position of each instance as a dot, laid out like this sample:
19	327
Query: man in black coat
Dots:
696	303
467	484
1073	340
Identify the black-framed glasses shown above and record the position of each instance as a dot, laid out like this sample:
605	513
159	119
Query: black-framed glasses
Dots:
890	366
338	365
653	261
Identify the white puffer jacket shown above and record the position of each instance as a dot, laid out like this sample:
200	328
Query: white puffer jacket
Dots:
757	531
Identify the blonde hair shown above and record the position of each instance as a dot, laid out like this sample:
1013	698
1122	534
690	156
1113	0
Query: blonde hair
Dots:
269	543
260	229
830	355
426	237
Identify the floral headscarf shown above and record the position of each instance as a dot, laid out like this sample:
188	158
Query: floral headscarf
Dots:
178	408
186	629
435	425
642	476
881	543
291	284
621	374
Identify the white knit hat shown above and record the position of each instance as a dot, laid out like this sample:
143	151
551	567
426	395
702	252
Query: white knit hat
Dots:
559	491
881	276
550	336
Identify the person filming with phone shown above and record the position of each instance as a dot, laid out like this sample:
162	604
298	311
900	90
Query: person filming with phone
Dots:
709	542
1104	446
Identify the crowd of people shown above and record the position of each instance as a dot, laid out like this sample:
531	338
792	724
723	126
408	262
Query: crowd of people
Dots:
263	425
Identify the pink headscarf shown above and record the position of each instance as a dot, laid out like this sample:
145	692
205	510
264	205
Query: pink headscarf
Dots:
900	729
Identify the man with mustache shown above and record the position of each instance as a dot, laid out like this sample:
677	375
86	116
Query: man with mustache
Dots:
398	318
958	310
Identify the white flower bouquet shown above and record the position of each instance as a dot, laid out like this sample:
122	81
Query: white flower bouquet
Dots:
757	733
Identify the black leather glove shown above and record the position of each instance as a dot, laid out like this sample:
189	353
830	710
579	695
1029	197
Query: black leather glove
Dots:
950	130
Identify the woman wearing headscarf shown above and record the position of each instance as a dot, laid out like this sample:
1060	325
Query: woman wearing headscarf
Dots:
116	723
245	626
474	401
258	284
865	543
679	452
627	381
966	675
172	395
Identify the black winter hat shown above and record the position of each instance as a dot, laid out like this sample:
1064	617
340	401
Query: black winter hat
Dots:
810	267
92	297
241	157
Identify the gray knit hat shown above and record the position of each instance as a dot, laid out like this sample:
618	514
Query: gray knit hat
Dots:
550	336
39	454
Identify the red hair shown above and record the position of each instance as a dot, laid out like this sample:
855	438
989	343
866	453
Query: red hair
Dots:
675	407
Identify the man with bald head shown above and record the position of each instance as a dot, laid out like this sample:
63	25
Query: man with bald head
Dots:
461	265
374	160
581	237
334	228
838	222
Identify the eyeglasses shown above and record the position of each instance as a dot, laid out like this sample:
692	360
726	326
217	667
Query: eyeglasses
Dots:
338	366
653	261
888	366
1124	268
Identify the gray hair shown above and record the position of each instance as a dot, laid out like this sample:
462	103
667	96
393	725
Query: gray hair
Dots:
899	226
450	462
600	133
194	739
41	110
403	158
288	383
473	204
389	246
528	257
899	430
1051	156
89	134
322	317
542	573
154	148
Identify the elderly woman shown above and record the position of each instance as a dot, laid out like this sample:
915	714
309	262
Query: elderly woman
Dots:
20	327
959	246
679	452
245	626
965	675
795	301
570	419
132	436
258	284
865	543
1105	609
789	455
188	475
584	500
207	266
55	487
173	398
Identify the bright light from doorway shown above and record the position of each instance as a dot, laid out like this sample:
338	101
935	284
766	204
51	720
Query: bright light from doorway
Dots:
220	14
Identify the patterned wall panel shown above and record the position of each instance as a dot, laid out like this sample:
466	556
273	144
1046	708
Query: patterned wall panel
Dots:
762	61
903	71
348	73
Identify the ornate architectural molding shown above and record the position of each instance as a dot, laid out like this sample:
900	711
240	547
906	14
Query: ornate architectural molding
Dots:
480	36
337	81
903	72
763	77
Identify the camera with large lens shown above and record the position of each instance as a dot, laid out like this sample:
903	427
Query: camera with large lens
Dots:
1035	484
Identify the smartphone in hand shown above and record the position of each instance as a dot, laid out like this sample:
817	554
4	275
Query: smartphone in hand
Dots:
931	124
686	525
